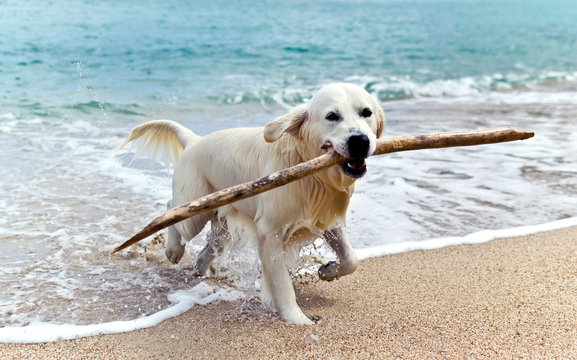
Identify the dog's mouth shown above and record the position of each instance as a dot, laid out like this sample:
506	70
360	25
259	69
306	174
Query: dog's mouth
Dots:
354	168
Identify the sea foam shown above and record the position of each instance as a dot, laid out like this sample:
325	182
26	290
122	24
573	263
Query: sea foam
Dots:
474	238
182	301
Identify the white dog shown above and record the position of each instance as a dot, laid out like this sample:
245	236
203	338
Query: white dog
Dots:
344	116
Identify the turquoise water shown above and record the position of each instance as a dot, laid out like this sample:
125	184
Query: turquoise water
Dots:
76	76
146	58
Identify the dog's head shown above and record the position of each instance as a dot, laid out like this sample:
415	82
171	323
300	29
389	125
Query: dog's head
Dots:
343	116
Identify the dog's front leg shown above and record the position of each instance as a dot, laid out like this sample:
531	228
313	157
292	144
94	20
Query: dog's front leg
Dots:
346	257
277	279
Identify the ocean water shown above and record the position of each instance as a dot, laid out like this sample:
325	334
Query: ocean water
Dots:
75	77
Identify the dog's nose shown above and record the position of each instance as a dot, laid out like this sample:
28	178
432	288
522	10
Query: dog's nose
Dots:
358	146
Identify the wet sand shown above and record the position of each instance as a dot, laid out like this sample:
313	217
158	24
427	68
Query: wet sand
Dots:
509	298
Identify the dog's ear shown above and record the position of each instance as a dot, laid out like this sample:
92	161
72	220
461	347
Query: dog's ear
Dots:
380	120
288	123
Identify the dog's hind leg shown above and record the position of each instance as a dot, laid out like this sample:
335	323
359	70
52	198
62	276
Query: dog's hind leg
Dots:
179	233
174	245
216	241
346	257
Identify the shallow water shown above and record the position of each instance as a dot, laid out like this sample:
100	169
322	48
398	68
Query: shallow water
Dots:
75	82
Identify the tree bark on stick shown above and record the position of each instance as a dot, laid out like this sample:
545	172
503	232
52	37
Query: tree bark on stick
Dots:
283	177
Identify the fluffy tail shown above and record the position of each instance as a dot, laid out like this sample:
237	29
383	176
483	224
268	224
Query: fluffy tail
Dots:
161	137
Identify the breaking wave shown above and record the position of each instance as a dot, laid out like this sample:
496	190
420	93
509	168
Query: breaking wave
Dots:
400	87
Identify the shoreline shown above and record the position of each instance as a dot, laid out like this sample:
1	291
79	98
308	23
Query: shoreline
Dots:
512	297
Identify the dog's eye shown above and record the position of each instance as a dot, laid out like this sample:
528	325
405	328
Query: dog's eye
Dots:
366	112
333	116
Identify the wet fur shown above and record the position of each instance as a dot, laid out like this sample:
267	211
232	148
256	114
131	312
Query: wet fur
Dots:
294	213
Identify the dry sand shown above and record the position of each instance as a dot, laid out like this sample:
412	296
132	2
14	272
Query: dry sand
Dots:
510	298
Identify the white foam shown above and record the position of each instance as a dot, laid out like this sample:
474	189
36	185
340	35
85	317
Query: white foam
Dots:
494	85
7	116
183	301
474	238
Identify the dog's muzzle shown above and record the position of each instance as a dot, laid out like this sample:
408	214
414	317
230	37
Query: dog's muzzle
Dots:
358	150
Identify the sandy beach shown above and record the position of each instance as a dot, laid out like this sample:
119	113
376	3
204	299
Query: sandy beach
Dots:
509	298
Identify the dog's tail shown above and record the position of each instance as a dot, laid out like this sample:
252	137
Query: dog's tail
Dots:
166	138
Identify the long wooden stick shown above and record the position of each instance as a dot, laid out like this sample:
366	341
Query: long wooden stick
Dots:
283	177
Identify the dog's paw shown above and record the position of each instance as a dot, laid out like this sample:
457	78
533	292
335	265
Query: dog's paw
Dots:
203	266
329	271
174	254
296	318
334	270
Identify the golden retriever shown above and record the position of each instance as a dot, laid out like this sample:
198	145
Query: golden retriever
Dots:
341	115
